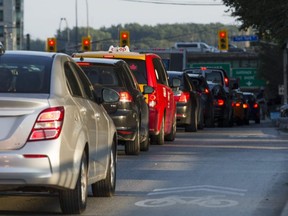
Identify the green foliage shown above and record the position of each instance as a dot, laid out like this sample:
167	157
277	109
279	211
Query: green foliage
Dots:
268	17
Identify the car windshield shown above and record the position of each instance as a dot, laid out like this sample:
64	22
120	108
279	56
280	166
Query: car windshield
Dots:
138	68
25	74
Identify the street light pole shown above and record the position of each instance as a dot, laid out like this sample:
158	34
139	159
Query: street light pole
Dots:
76	28
87	14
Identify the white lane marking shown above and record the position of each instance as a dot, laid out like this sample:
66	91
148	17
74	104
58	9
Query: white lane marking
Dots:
209	188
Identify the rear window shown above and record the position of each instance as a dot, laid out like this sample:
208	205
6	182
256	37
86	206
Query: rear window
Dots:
215	77
210	75
107	75
25	74
138	68
176	75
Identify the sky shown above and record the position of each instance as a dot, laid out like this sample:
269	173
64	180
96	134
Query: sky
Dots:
42	18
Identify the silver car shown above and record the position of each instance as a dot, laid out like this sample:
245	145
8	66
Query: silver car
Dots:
55	135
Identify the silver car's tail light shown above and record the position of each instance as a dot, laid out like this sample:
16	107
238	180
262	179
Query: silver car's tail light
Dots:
48	124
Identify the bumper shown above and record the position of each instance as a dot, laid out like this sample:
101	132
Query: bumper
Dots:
183	115
126	124
219	113
37	164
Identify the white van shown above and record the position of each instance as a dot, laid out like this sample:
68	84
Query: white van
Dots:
194	46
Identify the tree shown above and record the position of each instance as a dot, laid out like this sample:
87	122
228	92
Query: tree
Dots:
268	17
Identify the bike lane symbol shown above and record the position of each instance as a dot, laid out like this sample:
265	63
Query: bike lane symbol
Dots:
208	201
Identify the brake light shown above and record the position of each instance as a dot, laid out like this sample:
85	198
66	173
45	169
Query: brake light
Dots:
152	100
48	124
226	80
245	106
108	56
125	97
255	106
237	104
184	97
206	90
220	102
83	63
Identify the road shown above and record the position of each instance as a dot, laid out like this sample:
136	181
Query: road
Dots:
214	172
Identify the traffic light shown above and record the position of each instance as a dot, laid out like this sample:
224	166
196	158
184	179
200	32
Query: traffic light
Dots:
124	38
86	44
223	40
51	45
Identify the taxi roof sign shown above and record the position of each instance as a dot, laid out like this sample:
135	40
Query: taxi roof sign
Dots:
118	49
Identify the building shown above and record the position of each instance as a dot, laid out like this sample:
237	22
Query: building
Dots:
11	24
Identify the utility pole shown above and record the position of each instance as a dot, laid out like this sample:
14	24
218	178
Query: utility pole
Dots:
285	73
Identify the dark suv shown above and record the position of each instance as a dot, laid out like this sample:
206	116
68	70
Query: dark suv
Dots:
206	98
130	114
215	75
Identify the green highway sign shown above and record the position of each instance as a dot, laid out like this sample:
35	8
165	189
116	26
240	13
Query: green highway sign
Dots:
247	77
225	66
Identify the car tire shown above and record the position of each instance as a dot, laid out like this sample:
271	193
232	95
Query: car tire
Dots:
192	127
159	138
133	147
106	187
75	201
171	136
201	121
209	121
145	145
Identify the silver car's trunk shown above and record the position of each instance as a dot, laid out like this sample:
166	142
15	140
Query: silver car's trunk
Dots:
17	118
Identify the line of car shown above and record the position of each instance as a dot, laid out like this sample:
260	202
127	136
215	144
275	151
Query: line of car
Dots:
62	118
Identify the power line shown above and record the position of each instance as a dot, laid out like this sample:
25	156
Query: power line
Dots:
176	3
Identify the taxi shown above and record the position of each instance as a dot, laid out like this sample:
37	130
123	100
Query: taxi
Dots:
148	70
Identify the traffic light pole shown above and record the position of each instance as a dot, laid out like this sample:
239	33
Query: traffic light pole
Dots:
285	73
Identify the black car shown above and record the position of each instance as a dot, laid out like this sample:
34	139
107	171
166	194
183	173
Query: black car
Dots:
223	111
206	97
215	75
130	114
253	107
188	102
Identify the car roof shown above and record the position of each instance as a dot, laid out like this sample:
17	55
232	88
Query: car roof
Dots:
175	72
28	52
119	55
195	75
98	60
207	69
248	93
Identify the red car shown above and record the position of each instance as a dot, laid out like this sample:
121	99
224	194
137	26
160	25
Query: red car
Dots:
149	70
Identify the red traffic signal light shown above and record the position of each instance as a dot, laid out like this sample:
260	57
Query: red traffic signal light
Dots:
222	34
51	45
223	44
86	44
124	38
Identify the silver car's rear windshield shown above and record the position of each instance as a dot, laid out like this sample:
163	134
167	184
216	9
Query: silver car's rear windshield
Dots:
25	74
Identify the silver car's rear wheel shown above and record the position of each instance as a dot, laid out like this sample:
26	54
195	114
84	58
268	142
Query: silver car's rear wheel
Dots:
75	201
106	187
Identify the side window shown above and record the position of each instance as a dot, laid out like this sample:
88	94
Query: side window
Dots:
87	86
162	74
72	83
